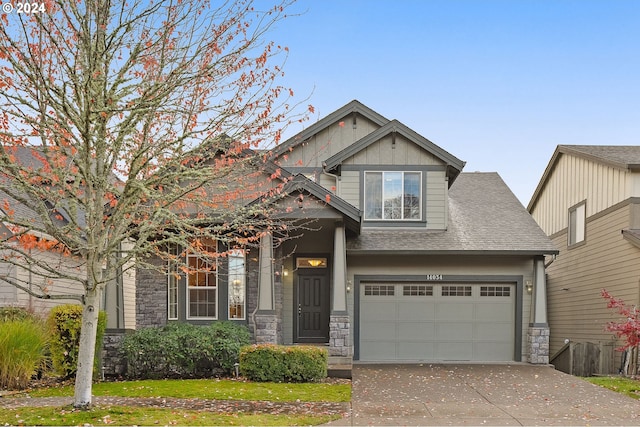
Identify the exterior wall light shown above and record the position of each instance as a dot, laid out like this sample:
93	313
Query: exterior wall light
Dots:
529	286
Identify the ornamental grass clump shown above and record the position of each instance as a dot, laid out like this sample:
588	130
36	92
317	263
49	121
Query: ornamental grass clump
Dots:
23	346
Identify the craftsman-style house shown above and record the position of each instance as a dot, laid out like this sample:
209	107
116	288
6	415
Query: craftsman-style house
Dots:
408	259
588	202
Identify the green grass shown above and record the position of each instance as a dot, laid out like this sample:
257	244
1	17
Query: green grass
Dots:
120	415
622	385
203	389
213	389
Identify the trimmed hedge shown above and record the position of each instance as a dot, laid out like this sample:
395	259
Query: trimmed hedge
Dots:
182	350
65	322
276	363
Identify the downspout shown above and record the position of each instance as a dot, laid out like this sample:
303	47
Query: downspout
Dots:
553	258
334	176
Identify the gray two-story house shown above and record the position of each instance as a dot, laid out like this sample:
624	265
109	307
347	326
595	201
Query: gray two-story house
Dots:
406	258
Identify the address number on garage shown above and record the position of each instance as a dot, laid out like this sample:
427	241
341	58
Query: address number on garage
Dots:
434	276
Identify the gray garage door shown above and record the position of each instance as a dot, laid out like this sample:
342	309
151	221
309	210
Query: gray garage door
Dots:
437	322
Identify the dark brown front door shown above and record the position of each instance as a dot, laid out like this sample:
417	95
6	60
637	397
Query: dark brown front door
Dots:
312	309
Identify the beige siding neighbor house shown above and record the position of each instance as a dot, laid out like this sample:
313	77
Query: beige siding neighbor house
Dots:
588	202
407	259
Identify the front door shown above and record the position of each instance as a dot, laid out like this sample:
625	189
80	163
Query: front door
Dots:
312	308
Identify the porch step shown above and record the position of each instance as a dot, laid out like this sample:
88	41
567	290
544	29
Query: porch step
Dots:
340	366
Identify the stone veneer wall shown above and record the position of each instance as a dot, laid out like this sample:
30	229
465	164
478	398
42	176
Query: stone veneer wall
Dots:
113	363
538	345
339	327
151	296
264	328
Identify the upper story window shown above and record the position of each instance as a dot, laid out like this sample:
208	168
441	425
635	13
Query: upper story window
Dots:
577	223
392	195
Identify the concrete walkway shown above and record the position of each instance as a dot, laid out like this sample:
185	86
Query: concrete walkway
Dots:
474	394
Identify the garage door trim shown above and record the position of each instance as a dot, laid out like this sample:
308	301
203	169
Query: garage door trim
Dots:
471	279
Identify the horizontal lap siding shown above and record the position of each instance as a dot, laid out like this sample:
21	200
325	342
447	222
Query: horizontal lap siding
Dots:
436	200
350	187
607	261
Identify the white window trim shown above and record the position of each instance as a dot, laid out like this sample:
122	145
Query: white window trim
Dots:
188	299
580	226
172	285
243	285
383	172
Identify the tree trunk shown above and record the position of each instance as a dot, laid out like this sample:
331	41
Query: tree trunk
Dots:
86	351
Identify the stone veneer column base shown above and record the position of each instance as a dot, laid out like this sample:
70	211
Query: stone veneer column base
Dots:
266	329
339	331
538	345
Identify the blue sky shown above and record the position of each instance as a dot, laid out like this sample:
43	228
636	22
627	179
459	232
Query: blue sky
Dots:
497	83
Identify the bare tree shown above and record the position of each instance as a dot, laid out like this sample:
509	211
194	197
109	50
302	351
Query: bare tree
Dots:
132	122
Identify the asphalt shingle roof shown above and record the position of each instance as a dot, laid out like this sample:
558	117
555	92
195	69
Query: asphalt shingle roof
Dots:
484	217
626	156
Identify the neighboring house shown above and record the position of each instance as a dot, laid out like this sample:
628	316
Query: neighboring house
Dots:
588	202
408	258
119	298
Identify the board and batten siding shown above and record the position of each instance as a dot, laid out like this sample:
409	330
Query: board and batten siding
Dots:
574	179
391	150
576	310
328	142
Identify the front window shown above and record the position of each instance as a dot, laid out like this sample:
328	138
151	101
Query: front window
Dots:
202	289
173	277
577	223
392	195
237	280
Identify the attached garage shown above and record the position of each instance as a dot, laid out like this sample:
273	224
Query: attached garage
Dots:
437	321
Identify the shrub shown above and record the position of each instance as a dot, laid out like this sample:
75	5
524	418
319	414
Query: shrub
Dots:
15	313
275	363
22	351
183	350
65	322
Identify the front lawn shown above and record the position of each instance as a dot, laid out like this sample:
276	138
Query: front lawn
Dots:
202	389
623	385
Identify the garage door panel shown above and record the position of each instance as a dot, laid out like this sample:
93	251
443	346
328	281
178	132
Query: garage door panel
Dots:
413	310
383	350
379	331
454	331
454	310
454	351
494	351
411	331
494	311
493	331
416	351
378	311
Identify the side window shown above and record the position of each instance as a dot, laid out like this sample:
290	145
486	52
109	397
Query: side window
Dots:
577	223
237	281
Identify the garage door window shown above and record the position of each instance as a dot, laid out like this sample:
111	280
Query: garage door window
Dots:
495	291
456	291
381	290
417	290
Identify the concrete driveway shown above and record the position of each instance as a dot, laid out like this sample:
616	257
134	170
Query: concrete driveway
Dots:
474	394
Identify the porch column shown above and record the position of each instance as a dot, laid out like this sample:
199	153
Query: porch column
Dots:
266	321
339	322
538	334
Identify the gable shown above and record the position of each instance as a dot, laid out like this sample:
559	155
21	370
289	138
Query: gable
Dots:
396	144
320	142
599	176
